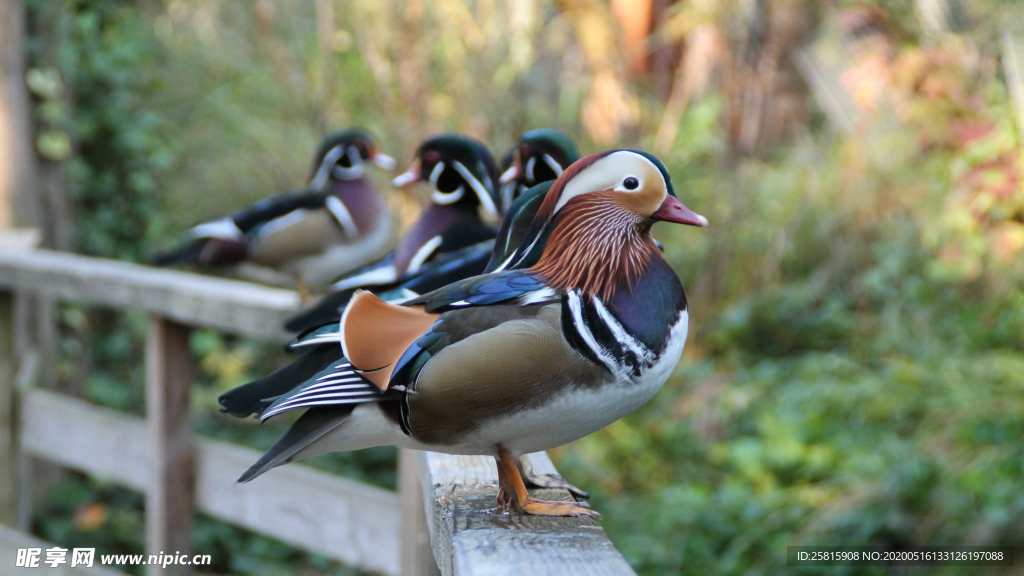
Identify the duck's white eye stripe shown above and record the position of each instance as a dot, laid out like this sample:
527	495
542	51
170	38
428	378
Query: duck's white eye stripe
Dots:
608	173
555	166
482	192
435	174
332	156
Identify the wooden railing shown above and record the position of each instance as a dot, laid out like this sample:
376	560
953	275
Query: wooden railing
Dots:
361	525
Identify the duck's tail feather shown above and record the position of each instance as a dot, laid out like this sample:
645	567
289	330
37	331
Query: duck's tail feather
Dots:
187	253
254	397
309	428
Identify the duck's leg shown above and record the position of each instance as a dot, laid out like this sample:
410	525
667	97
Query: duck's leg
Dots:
548	481
512	493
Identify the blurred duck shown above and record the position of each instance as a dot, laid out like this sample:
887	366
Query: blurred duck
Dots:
556	150
539	156
520	360
462	178
518	245
340	222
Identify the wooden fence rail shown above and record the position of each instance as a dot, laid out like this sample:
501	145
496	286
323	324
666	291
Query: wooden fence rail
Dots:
443	510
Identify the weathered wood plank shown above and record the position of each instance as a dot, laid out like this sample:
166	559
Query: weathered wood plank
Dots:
20	238
96	440
202	301
417	555
170	497
10	474
342	519
12	540
470	538
339	518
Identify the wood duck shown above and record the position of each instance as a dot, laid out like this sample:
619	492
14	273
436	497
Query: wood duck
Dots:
463	181
340	222
518	360
539	155
556	150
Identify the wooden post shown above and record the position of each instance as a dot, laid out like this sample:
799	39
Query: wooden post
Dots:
9	458
417	555
171	495
19	181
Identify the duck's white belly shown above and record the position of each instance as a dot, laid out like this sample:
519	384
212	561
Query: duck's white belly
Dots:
576	413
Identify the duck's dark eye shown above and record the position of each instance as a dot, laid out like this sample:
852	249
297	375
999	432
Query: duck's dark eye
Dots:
631	183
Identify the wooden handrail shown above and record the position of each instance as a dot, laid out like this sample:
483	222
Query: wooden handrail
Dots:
467	535
445	509
230	306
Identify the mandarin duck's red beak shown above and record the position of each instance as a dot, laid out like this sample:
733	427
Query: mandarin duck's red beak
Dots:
672	210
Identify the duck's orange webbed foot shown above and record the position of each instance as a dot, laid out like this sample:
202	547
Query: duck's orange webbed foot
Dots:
551	508
512	493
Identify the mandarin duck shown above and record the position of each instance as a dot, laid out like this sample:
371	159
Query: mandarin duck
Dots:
463	182
340	222
445	266
539	155
519	360
319	342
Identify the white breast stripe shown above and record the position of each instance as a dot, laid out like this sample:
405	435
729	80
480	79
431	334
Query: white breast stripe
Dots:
340	212
423	254
624	338
576	309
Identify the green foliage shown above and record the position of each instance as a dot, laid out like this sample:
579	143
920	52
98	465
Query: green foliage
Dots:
855	373
862	381
104	51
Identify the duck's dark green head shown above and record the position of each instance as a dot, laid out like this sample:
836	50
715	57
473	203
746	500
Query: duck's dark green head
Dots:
458	169
341	155
539	156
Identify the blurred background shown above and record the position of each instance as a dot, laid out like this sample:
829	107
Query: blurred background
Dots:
855	371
